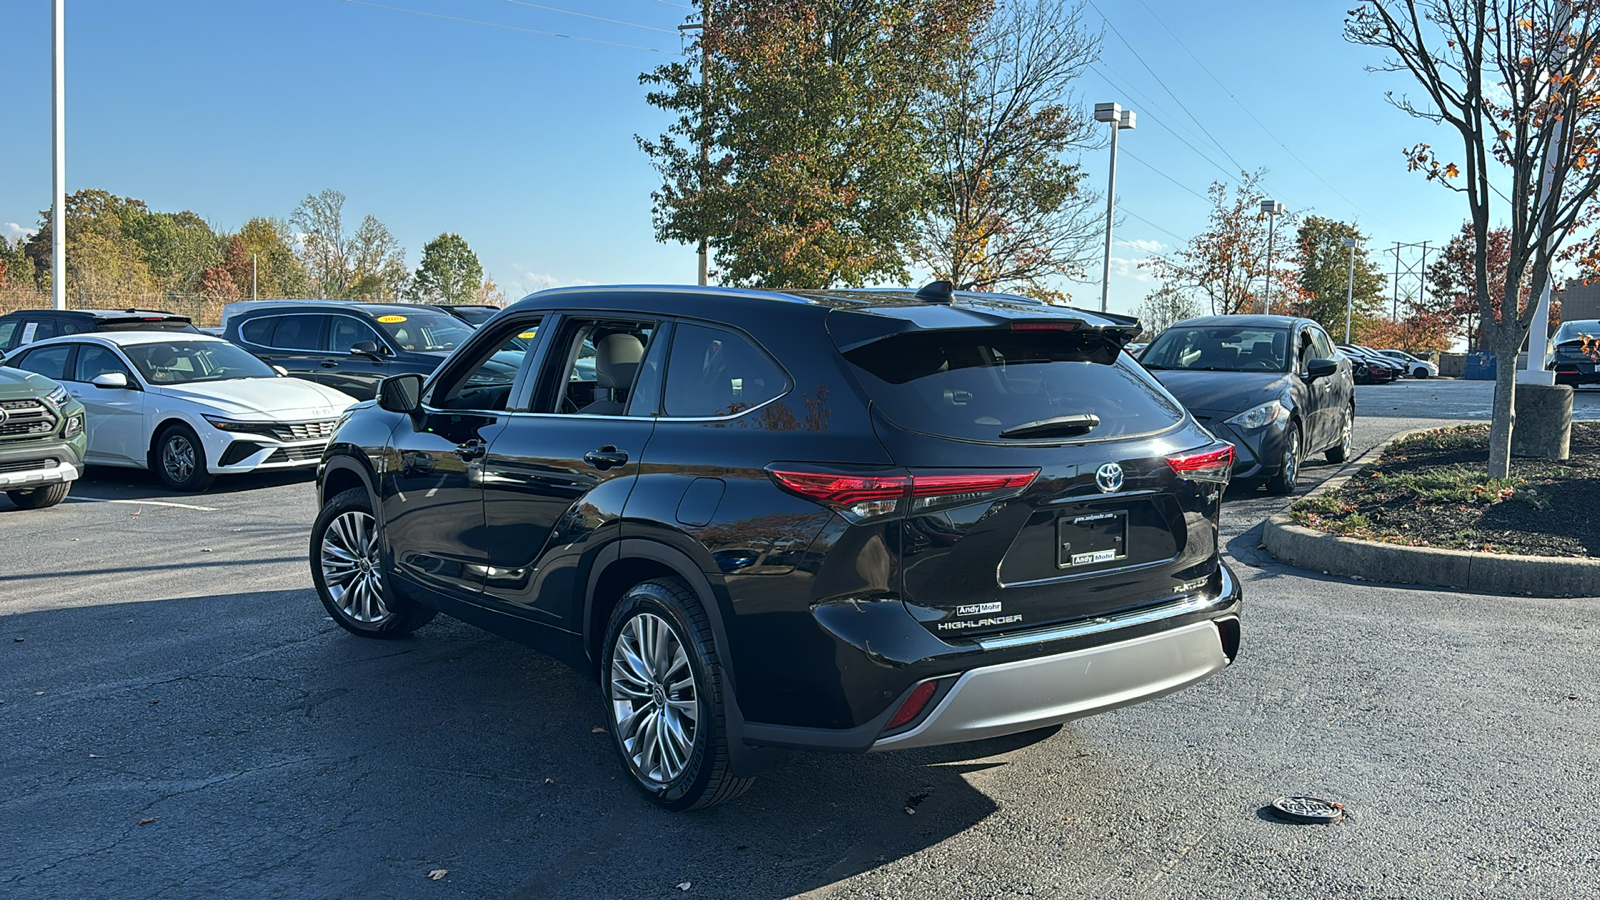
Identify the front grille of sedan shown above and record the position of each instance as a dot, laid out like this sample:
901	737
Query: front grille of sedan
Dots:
295	454
301	431
26	418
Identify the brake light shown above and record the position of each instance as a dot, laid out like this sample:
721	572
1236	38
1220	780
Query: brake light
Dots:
1211	464
910	709
1062	325
860	497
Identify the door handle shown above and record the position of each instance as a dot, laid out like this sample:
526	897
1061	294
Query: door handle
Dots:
607	457
329	364
472	450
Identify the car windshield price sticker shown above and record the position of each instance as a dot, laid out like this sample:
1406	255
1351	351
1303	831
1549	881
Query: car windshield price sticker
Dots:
391	320
28	331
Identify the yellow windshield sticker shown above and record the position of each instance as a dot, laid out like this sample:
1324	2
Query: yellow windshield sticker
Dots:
390	320
528	335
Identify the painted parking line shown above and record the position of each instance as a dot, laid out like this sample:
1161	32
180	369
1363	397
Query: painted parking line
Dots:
142	503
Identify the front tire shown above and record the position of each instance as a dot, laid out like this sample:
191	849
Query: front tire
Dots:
179	459
40	497
663	686
347	568
1288	473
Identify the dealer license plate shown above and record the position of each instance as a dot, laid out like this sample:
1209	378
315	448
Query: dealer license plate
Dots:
1091	539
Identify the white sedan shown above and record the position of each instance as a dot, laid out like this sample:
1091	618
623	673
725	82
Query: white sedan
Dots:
188	407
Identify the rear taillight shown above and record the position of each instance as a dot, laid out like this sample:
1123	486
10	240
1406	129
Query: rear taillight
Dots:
858	497
1210	464
913	705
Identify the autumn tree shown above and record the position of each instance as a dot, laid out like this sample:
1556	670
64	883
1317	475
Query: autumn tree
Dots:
448	273
489	293
1324	275
1516	81
1452	281
1225	267
106	266
278	271
16	268
175	247
1006	209
378	263
216	284
814	165
1163	308
343	265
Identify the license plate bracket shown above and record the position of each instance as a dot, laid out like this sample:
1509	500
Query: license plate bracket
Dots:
1091	538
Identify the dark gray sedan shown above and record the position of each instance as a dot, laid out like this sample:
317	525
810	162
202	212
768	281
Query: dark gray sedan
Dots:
1272	385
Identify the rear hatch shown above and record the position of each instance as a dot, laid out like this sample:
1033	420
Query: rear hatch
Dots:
1052	479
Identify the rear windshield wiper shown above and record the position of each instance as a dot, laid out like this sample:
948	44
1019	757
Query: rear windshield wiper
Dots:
1060	426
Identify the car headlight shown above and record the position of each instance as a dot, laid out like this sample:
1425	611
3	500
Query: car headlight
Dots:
74	426
1260	416
233	427
59	396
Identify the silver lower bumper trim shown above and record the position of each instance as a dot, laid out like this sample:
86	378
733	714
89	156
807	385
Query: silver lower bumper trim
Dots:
1032	693
44	475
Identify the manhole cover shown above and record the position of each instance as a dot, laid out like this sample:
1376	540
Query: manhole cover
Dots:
1307	810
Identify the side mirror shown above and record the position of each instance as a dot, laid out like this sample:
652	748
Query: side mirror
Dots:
401	393
282	372
1321	368
111	380
366	348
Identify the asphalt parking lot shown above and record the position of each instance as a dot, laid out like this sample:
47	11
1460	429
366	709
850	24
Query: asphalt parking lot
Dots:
180	719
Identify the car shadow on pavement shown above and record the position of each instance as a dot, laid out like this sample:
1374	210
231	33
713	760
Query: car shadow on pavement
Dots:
244	745
112	479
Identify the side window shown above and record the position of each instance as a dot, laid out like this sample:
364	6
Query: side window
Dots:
258	331
298	333
94	361
345	332
51	362
1321	341
488	380
38	330
593	366
8	330
714	372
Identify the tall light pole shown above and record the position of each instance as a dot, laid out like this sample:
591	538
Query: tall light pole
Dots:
252	276
705	125
1349	288
58	202
1120	119
1273	209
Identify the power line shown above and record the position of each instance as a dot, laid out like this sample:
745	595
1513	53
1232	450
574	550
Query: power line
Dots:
1207	70
569	12
1153	225
1124	152
1160	121
678	5
570	37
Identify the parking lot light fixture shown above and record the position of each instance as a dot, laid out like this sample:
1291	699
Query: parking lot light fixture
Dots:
1120	120
1273	209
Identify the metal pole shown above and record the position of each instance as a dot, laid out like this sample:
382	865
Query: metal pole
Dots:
58	202
1394	309
1272	230
1350	292
1422	279
1111	208
1549	192
252	276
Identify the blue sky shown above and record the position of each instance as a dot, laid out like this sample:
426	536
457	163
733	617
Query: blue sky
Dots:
523	142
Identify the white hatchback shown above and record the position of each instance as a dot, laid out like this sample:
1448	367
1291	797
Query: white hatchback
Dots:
188	407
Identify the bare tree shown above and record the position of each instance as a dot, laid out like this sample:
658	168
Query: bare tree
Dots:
324	247
1163	308
1516	80
1226	265
1007	210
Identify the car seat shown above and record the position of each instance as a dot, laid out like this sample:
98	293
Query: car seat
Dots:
616	363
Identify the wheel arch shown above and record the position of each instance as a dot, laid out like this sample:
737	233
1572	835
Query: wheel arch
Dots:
341	473
167	420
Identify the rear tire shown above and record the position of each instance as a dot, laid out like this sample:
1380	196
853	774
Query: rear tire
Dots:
663	685
40	497
347	568
1341	452
1283	482
179	459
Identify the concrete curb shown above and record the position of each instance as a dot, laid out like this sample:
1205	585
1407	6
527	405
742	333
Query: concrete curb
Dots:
1496	573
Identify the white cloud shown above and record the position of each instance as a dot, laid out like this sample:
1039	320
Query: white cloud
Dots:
527	281
1122	268
1143	245
14	231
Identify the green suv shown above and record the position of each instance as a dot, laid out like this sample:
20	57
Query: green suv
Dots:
42	439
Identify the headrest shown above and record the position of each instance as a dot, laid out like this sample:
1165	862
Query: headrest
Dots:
616	360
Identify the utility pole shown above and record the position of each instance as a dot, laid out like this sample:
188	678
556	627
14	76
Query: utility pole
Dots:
1349	288
58	202
1119	119
1394	309
1273	209
252	276
705	120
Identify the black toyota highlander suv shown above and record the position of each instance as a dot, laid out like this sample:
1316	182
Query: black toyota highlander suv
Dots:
843	520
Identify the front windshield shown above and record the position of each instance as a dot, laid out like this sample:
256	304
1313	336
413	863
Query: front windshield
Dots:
1219	348
185	362
425	330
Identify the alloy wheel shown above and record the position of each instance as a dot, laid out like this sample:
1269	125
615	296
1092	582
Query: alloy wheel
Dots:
178	458
1291	458
655	709
1347	439
350	567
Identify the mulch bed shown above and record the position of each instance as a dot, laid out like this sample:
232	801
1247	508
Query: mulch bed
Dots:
1430	490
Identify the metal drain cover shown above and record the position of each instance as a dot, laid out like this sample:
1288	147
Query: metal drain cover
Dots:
1307	810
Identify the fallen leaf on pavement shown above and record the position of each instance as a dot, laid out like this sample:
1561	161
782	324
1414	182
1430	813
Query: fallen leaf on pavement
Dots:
437	874
598	729
683	886
147	821
549	781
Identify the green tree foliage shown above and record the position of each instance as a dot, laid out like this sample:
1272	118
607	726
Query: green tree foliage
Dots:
449	272
817	163
16	268
176	247
279	273
1005	209
1325	275
1225	266
106	266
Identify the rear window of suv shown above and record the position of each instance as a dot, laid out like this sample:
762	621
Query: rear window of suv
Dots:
972	384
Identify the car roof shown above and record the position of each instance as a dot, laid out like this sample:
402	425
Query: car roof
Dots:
102	313
377	309
719	303
124	338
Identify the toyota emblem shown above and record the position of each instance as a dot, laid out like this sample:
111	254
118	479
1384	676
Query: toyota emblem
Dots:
1109	477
